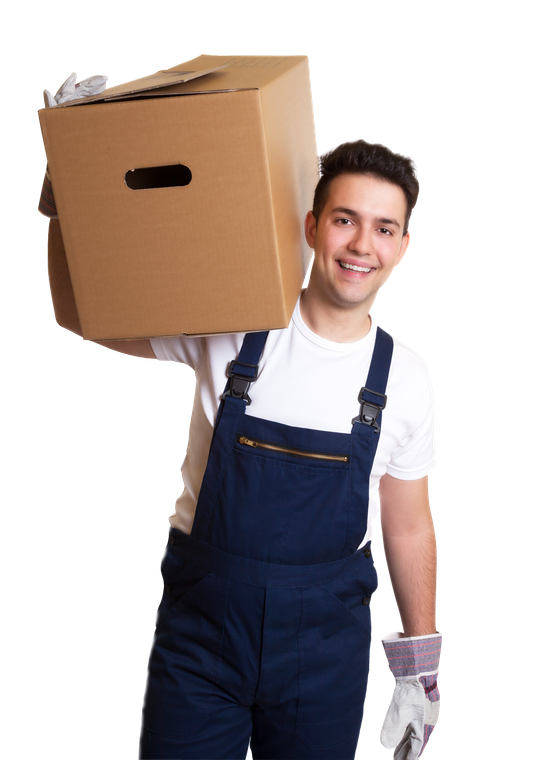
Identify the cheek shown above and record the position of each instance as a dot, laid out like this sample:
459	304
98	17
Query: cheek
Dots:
390	253
334	241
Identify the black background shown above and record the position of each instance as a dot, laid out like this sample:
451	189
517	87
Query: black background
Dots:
112	430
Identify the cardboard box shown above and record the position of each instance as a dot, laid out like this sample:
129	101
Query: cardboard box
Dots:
181	197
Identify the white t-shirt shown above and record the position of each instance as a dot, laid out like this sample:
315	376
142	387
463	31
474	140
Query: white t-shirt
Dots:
310	382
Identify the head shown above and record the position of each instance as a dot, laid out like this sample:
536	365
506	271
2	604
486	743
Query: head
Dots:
358	227
360	157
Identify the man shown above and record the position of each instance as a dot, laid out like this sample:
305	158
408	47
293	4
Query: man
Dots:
263	630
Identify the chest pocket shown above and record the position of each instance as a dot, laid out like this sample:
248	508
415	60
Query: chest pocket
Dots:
285	491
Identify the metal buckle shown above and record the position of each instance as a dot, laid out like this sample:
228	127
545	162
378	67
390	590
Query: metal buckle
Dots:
240	384
370	411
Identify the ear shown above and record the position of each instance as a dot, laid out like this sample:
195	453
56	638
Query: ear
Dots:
310	229
404	245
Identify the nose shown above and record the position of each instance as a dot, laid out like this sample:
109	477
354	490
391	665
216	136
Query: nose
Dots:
361	243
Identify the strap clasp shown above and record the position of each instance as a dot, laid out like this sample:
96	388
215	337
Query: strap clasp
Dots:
240	383
372	404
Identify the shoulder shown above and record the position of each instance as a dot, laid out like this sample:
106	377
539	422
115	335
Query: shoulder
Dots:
409	390
408	367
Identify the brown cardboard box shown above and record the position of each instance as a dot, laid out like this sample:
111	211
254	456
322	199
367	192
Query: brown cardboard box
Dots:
212	244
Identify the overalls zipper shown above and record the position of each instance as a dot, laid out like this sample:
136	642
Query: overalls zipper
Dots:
295	452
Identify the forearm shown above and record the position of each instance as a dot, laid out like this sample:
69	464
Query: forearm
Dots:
61	286
412	565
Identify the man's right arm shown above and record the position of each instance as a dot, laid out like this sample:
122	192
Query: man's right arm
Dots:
64	302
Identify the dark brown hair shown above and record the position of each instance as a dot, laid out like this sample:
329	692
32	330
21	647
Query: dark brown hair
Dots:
361	157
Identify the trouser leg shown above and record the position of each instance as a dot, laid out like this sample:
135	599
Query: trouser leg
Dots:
314	670
203	667
274	737
224	736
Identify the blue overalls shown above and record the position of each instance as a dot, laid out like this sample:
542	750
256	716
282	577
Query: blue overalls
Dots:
263	631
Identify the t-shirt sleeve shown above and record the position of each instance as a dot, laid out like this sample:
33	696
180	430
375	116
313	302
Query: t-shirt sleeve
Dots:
414	457
188	351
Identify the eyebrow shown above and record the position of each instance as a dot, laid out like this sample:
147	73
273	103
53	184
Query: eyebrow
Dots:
351	212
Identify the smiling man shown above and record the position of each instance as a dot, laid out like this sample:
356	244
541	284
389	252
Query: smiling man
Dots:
263	631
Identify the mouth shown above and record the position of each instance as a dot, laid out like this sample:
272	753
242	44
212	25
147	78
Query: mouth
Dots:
354	267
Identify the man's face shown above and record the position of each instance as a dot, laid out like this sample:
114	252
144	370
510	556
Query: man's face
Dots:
358	239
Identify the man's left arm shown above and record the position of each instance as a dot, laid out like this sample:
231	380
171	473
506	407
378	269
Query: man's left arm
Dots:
409	543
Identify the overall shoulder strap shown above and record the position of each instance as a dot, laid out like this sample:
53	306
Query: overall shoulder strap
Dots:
244	369
377	379
372	396
252	347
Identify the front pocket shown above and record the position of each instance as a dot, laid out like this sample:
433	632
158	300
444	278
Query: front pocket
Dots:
353	590
283	496
180	577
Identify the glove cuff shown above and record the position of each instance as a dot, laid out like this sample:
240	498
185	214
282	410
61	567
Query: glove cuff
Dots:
412	656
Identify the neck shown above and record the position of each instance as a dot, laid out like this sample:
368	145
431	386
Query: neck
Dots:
332	322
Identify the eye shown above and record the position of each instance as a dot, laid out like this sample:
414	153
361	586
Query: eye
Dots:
343	221
385	231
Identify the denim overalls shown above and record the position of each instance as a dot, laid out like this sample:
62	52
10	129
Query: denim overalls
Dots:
263	631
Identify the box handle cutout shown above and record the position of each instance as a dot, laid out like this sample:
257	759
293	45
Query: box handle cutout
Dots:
150	177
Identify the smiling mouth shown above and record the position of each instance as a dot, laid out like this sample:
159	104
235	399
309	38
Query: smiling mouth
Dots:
354	268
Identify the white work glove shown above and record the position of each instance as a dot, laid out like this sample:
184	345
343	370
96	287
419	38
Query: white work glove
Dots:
414	708
69	90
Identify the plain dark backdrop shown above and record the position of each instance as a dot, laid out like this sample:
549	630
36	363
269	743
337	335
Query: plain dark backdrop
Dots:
112	429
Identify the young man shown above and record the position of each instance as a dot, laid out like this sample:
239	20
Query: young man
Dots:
263	630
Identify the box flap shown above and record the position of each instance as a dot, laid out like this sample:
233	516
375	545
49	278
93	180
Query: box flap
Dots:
144	84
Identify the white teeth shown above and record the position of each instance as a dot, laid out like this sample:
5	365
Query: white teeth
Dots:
353	267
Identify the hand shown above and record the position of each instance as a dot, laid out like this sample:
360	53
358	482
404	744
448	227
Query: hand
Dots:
414	708
71	90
